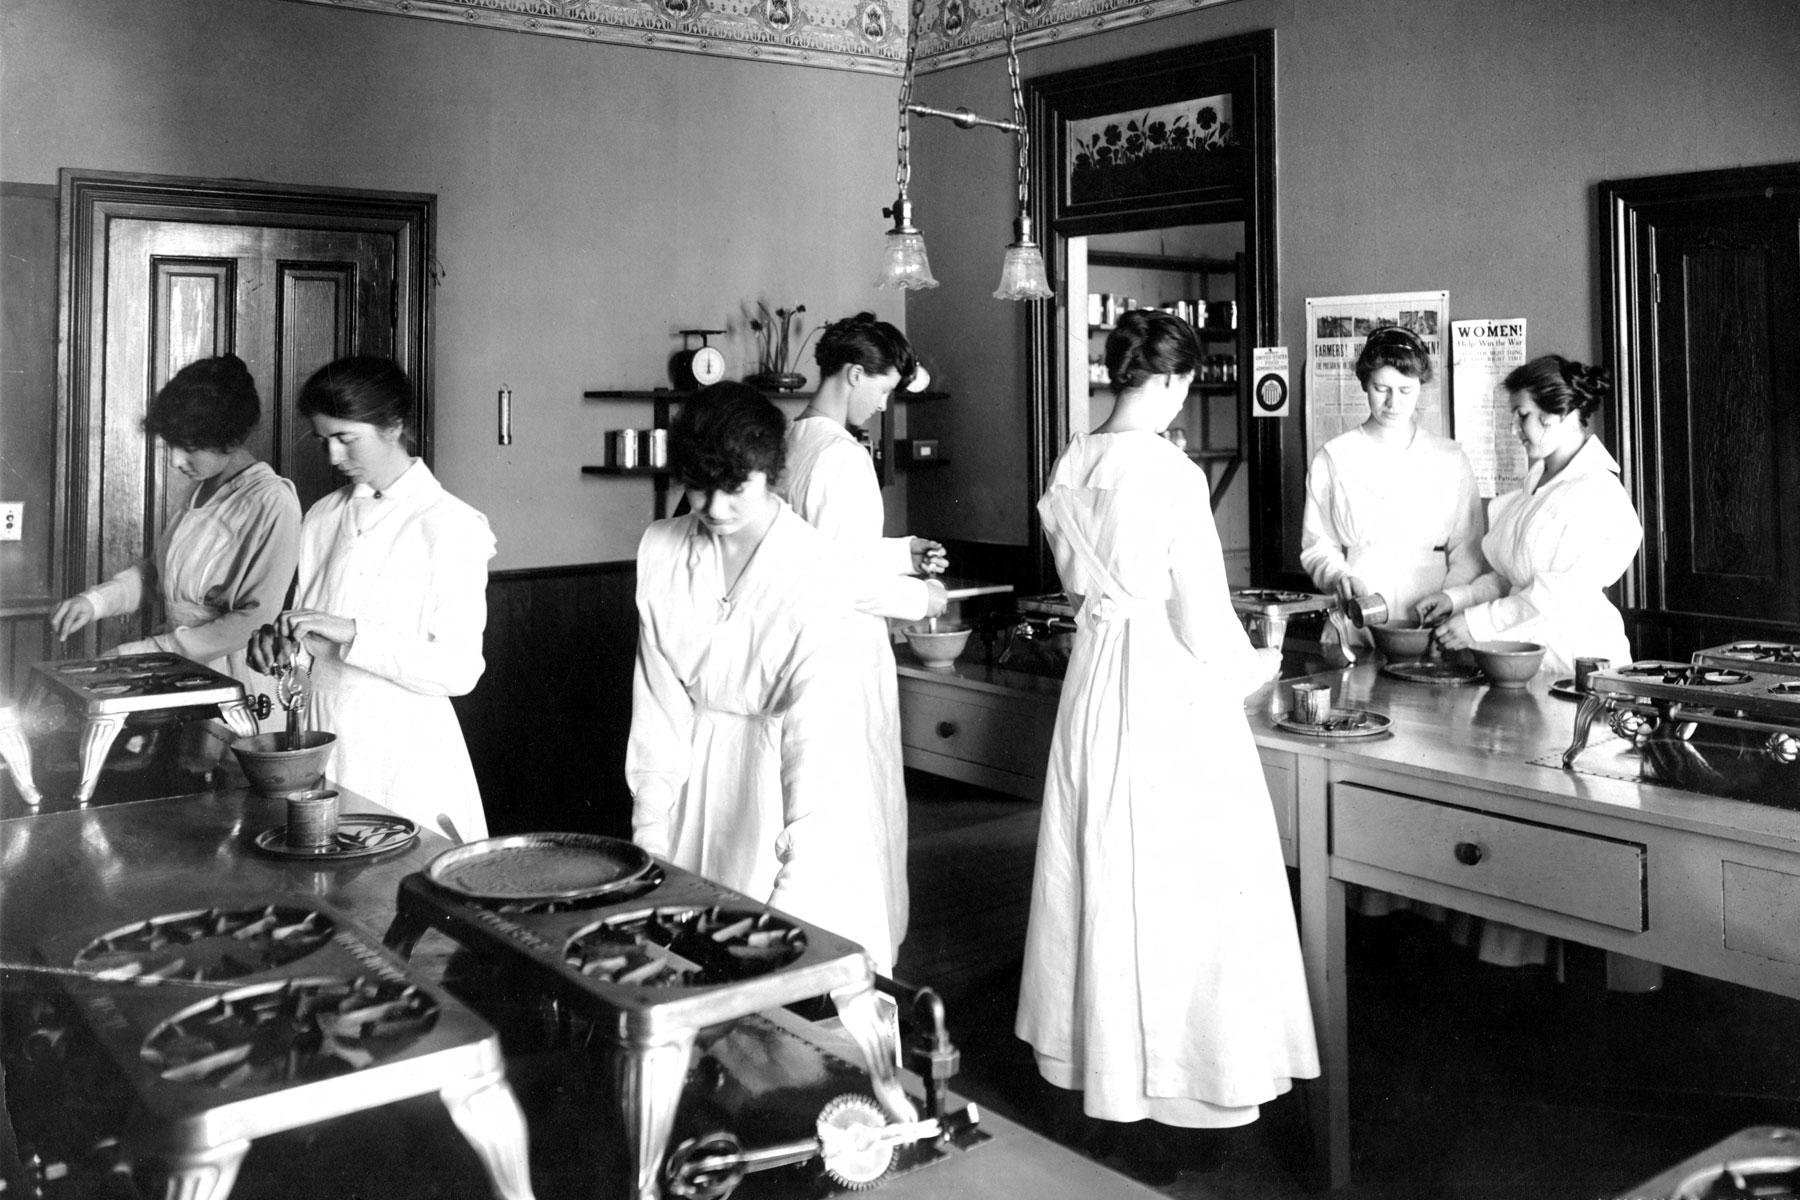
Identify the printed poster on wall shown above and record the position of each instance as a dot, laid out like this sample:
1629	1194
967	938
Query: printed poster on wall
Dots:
1482	353
1336	328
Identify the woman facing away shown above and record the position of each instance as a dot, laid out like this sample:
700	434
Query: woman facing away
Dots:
223	566
747	758
1391	509
830	482
390	607
1162	976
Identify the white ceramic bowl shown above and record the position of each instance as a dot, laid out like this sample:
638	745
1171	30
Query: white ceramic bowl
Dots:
1508	664
937	649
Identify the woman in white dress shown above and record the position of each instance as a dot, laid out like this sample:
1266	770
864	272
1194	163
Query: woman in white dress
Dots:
747	761
1391	509
1162	973
223	566
830	481
390	607
1569	531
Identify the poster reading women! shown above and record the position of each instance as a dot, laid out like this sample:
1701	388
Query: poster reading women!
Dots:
1482	353
1336	328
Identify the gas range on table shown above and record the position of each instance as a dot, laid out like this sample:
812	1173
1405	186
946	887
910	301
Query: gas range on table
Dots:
652	962
1725	724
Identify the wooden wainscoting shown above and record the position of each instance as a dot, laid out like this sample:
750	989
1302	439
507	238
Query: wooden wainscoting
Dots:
547	724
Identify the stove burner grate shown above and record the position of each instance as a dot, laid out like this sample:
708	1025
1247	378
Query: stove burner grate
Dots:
1775	652
212	944
287	1033
685	947
1683	674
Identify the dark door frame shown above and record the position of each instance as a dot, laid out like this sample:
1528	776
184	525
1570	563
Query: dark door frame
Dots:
1629	299
90	200
1245	66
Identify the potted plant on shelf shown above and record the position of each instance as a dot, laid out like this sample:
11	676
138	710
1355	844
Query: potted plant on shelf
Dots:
774	362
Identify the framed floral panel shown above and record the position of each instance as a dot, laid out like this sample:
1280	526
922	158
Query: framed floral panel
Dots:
1144	154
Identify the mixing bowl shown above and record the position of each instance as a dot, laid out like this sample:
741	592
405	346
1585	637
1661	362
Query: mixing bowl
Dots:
1508	664
937	648
275	770
1401	642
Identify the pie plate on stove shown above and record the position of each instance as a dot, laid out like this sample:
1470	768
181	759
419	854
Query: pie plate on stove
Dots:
531	867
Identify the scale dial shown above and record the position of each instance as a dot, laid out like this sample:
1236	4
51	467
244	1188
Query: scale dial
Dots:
699	367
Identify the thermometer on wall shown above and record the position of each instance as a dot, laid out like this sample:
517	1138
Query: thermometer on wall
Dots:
505	415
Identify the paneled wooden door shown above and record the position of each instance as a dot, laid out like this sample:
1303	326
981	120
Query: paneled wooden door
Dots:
287	284
1711	405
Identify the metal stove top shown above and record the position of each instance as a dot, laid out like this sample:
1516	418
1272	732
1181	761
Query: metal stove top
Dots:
136	683
1271	602
1780	658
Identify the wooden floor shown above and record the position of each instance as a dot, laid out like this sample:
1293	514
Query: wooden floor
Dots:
1469	1082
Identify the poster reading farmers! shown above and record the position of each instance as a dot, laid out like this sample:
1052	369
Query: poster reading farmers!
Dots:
1151	152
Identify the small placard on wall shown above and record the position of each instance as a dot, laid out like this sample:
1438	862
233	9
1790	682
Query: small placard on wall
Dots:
1269	393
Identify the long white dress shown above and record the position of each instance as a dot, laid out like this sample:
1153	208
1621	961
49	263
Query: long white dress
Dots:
222	569
1162	967
1406	520
830	481
1553	548
409	566
746	759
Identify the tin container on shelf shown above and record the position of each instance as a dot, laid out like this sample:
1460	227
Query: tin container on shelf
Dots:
653	448
622	447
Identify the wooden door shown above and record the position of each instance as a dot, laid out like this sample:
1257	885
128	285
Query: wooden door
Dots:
1710	401
161	272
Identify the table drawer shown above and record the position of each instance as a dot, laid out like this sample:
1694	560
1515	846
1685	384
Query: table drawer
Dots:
1581	875
963	727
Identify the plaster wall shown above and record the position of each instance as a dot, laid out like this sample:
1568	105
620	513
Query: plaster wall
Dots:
1421	144
592	200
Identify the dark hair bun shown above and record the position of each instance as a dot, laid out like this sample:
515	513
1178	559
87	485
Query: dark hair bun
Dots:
210	404
1590	386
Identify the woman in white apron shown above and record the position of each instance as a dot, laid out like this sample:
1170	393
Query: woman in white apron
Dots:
830	481
747	761
223	566
1162	972
390	606
1391	509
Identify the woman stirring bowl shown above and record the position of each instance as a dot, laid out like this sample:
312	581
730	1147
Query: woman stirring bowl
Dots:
224	564
390	607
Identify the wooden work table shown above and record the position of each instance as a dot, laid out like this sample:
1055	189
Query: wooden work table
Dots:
1451	808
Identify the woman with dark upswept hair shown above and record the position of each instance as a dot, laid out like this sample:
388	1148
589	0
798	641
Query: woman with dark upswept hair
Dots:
1162	979
748	760
224	564
391	604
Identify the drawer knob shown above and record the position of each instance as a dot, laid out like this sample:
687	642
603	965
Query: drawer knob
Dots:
946	729
1468	853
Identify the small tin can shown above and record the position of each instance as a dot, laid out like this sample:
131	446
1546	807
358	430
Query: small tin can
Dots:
1364	611
624	447
1587	666
654	450
312	819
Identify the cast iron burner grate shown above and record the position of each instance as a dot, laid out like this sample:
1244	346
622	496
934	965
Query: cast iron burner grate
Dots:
296	1031
213	944
686	947
1762	652
1684	674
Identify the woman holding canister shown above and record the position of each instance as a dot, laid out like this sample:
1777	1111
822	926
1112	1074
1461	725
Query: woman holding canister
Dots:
390	607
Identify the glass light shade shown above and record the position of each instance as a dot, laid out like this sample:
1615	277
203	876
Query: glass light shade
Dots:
903	262
1022	274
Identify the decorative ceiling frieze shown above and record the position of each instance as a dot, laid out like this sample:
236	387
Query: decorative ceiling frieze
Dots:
867	36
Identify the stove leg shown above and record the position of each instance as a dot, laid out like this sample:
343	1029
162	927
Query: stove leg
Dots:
864	1021
402	937
489	1116
649	1079
204	1174
236	713
17	752
97	734
1584	719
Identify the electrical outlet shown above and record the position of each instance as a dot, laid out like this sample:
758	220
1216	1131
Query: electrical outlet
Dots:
12	521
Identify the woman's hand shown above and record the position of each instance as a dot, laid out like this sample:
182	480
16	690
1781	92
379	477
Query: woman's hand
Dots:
268	651
302	623
1436	608
1453	634
1350	587
937	598
929	557
71	616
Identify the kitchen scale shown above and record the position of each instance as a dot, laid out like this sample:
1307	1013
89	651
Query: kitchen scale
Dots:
658	962
104	692
232	1023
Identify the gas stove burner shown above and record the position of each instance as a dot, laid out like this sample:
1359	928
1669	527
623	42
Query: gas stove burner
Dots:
685	947
1267	596
1683	674
1778	652
212	944
293	1032
1785	689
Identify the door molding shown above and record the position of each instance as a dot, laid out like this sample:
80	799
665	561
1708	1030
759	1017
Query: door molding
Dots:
1627	210
91	200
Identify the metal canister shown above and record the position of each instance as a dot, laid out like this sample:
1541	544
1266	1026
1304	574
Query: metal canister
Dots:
624	447
1585	667
1364	611
653	449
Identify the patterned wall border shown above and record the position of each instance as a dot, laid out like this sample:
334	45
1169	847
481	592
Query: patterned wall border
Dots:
865	36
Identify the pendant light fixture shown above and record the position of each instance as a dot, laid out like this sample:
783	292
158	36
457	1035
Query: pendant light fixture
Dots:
904	265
